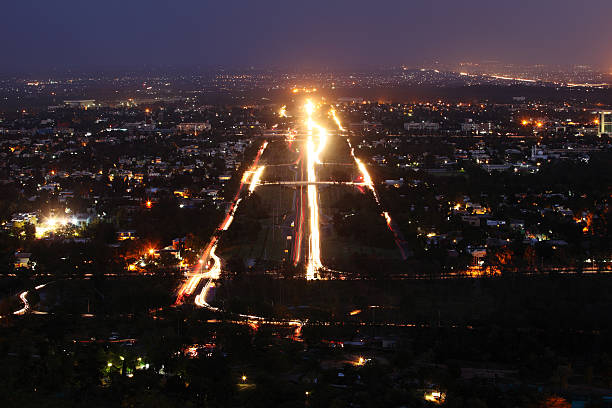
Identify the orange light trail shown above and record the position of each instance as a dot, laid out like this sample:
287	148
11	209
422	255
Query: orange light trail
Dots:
367	180
213	272
506	78
313	152
255	179
26	306
332	112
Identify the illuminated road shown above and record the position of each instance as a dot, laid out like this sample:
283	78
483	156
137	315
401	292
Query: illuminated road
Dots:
311	146
315	139
368	182
313	151
24	299
26	306
209	265
299	220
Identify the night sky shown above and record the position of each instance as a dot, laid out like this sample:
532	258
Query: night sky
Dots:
61	34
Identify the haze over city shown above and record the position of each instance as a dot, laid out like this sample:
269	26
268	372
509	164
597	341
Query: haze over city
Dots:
41	35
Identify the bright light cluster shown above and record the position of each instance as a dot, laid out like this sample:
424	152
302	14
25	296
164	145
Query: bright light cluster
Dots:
313	157
283	111
53	224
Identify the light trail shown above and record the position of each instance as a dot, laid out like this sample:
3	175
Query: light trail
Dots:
297	250
367	179
332	112
229	218
255	179
507	78
26	306
365	175
313	152
189	286
213	273
299	219
387	218
314	243
192	283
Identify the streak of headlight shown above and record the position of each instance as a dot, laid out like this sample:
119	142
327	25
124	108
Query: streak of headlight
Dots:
255	179
192	283
26	305
332	112
213	273
245	176
200	299
312	157
230	216
387	218
314	255
298	242
366	178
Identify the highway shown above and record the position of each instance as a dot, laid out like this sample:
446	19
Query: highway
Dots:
209	265
313	143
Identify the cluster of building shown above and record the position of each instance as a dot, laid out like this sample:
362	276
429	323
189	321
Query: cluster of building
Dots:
430	166
66	168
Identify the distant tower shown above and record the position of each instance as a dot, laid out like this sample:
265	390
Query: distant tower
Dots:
605	124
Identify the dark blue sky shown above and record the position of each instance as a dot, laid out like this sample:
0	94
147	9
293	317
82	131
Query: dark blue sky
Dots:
60	34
